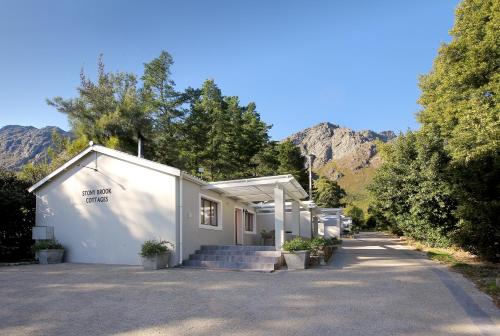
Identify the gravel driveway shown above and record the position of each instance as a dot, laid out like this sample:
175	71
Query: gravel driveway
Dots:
373	287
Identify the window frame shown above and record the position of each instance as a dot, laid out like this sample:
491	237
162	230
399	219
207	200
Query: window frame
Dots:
254	223
218	218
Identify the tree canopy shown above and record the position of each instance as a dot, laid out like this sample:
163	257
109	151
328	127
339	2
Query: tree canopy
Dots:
357	215
192	129
17	210
440	184
328	193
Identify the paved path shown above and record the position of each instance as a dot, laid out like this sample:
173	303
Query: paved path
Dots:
373	287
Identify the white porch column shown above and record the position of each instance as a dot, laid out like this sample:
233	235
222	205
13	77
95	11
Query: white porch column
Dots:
279	217
295	218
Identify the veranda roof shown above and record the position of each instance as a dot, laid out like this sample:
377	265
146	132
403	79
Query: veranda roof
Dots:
259	189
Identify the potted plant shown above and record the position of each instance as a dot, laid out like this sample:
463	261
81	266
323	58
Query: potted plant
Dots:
48	251
321	249
155	254
297	253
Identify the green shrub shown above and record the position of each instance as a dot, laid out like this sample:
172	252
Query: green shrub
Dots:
333	241
47	245
17	217
297	244
318	243
151	248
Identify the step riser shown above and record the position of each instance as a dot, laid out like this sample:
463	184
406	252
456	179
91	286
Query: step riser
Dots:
247	253
238	248
230	265
235	258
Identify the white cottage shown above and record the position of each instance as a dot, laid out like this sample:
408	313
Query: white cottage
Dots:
103	204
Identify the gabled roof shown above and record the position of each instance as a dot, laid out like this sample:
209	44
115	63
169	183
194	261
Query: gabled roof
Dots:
259	189
115	154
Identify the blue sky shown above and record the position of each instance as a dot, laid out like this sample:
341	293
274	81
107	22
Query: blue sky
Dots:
354	63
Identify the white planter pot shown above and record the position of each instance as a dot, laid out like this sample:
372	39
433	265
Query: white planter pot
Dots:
50	256
297	259
159	261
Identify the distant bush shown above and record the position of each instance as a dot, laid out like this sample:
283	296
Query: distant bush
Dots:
371	223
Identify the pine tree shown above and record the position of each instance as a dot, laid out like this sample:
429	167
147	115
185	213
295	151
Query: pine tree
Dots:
163	103
109	111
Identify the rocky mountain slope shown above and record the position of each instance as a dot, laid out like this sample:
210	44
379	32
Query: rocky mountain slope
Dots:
344	155
340	153
20	145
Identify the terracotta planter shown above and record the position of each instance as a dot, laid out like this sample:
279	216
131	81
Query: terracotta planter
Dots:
50	256
158	261
297	259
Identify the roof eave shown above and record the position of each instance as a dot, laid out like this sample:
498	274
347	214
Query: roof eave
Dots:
112	153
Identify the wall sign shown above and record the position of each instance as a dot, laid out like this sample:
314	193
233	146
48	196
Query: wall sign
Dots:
100	195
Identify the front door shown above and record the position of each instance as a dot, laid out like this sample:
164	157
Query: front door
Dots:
238	226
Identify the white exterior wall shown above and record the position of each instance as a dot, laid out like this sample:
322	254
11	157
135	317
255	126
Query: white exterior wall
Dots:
266	221
331	227
141	206
193	235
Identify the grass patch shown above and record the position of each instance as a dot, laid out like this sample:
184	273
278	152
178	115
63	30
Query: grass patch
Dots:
492	289
441	256
484	276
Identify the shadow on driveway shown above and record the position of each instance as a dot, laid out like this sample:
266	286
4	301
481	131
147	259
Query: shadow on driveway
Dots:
374	286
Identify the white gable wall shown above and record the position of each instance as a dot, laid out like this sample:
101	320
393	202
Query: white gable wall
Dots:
141	206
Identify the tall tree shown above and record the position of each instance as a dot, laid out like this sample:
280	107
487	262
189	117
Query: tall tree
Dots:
281	158
163	102
217	148
357	215
109	111
291	161
441	184
17	210
412	190
460	94
221	136
198	128
266	160
328	193
460	100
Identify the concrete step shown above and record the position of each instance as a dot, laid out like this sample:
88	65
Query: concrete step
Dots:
238	247
239	252
253	266
236	258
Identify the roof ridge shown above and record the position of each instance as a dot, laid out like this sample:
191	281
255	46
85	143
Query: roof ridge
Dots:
110	152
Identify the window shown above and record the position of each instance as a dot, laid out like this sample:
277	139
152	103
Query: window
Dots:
249	224
209	215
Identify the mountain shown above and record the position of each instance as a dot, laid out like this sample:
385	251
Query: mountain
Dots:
343	155
340	153
20	145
